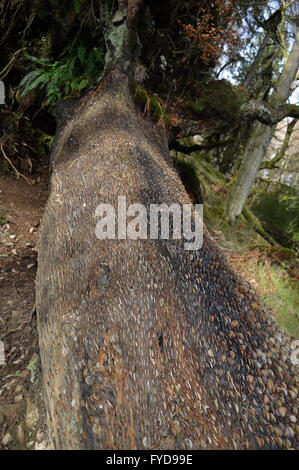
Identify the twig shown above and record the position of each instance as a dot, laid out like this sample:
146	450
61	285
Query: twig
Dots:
8	67
10	162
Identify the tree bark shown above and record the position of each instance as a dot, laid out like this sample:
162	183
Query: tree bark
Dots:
269	164
247	83
260	138
145	345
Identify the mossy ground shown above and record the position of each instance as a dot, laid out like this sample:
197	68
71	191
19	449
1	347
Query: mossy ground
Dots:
264	266
217	97
277	290
153	105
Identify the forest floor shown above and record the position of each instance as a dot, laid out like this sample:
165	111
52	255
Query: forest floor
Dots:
22	414
279	292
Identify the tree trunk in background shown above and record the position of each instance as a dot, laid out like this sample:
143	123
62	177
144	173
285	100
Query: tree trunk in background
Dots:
280	154
145	345
247	83
260	138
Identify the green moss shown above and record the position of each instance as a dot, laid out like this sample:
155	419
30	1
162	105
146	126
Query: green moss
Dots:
167	120
155	103
141	95
284	301
278	211
189	171
217	96
44	143
156	109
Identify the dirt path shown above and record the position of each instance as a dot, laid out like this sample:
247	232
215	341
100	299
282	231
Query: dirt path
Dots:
21	409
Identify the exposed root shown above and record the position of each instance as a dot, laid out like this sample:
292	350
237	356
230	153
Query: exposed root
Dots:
12	165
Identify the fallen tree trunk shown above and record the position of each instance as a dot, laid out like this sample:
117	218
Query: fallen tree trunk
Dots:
144	344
